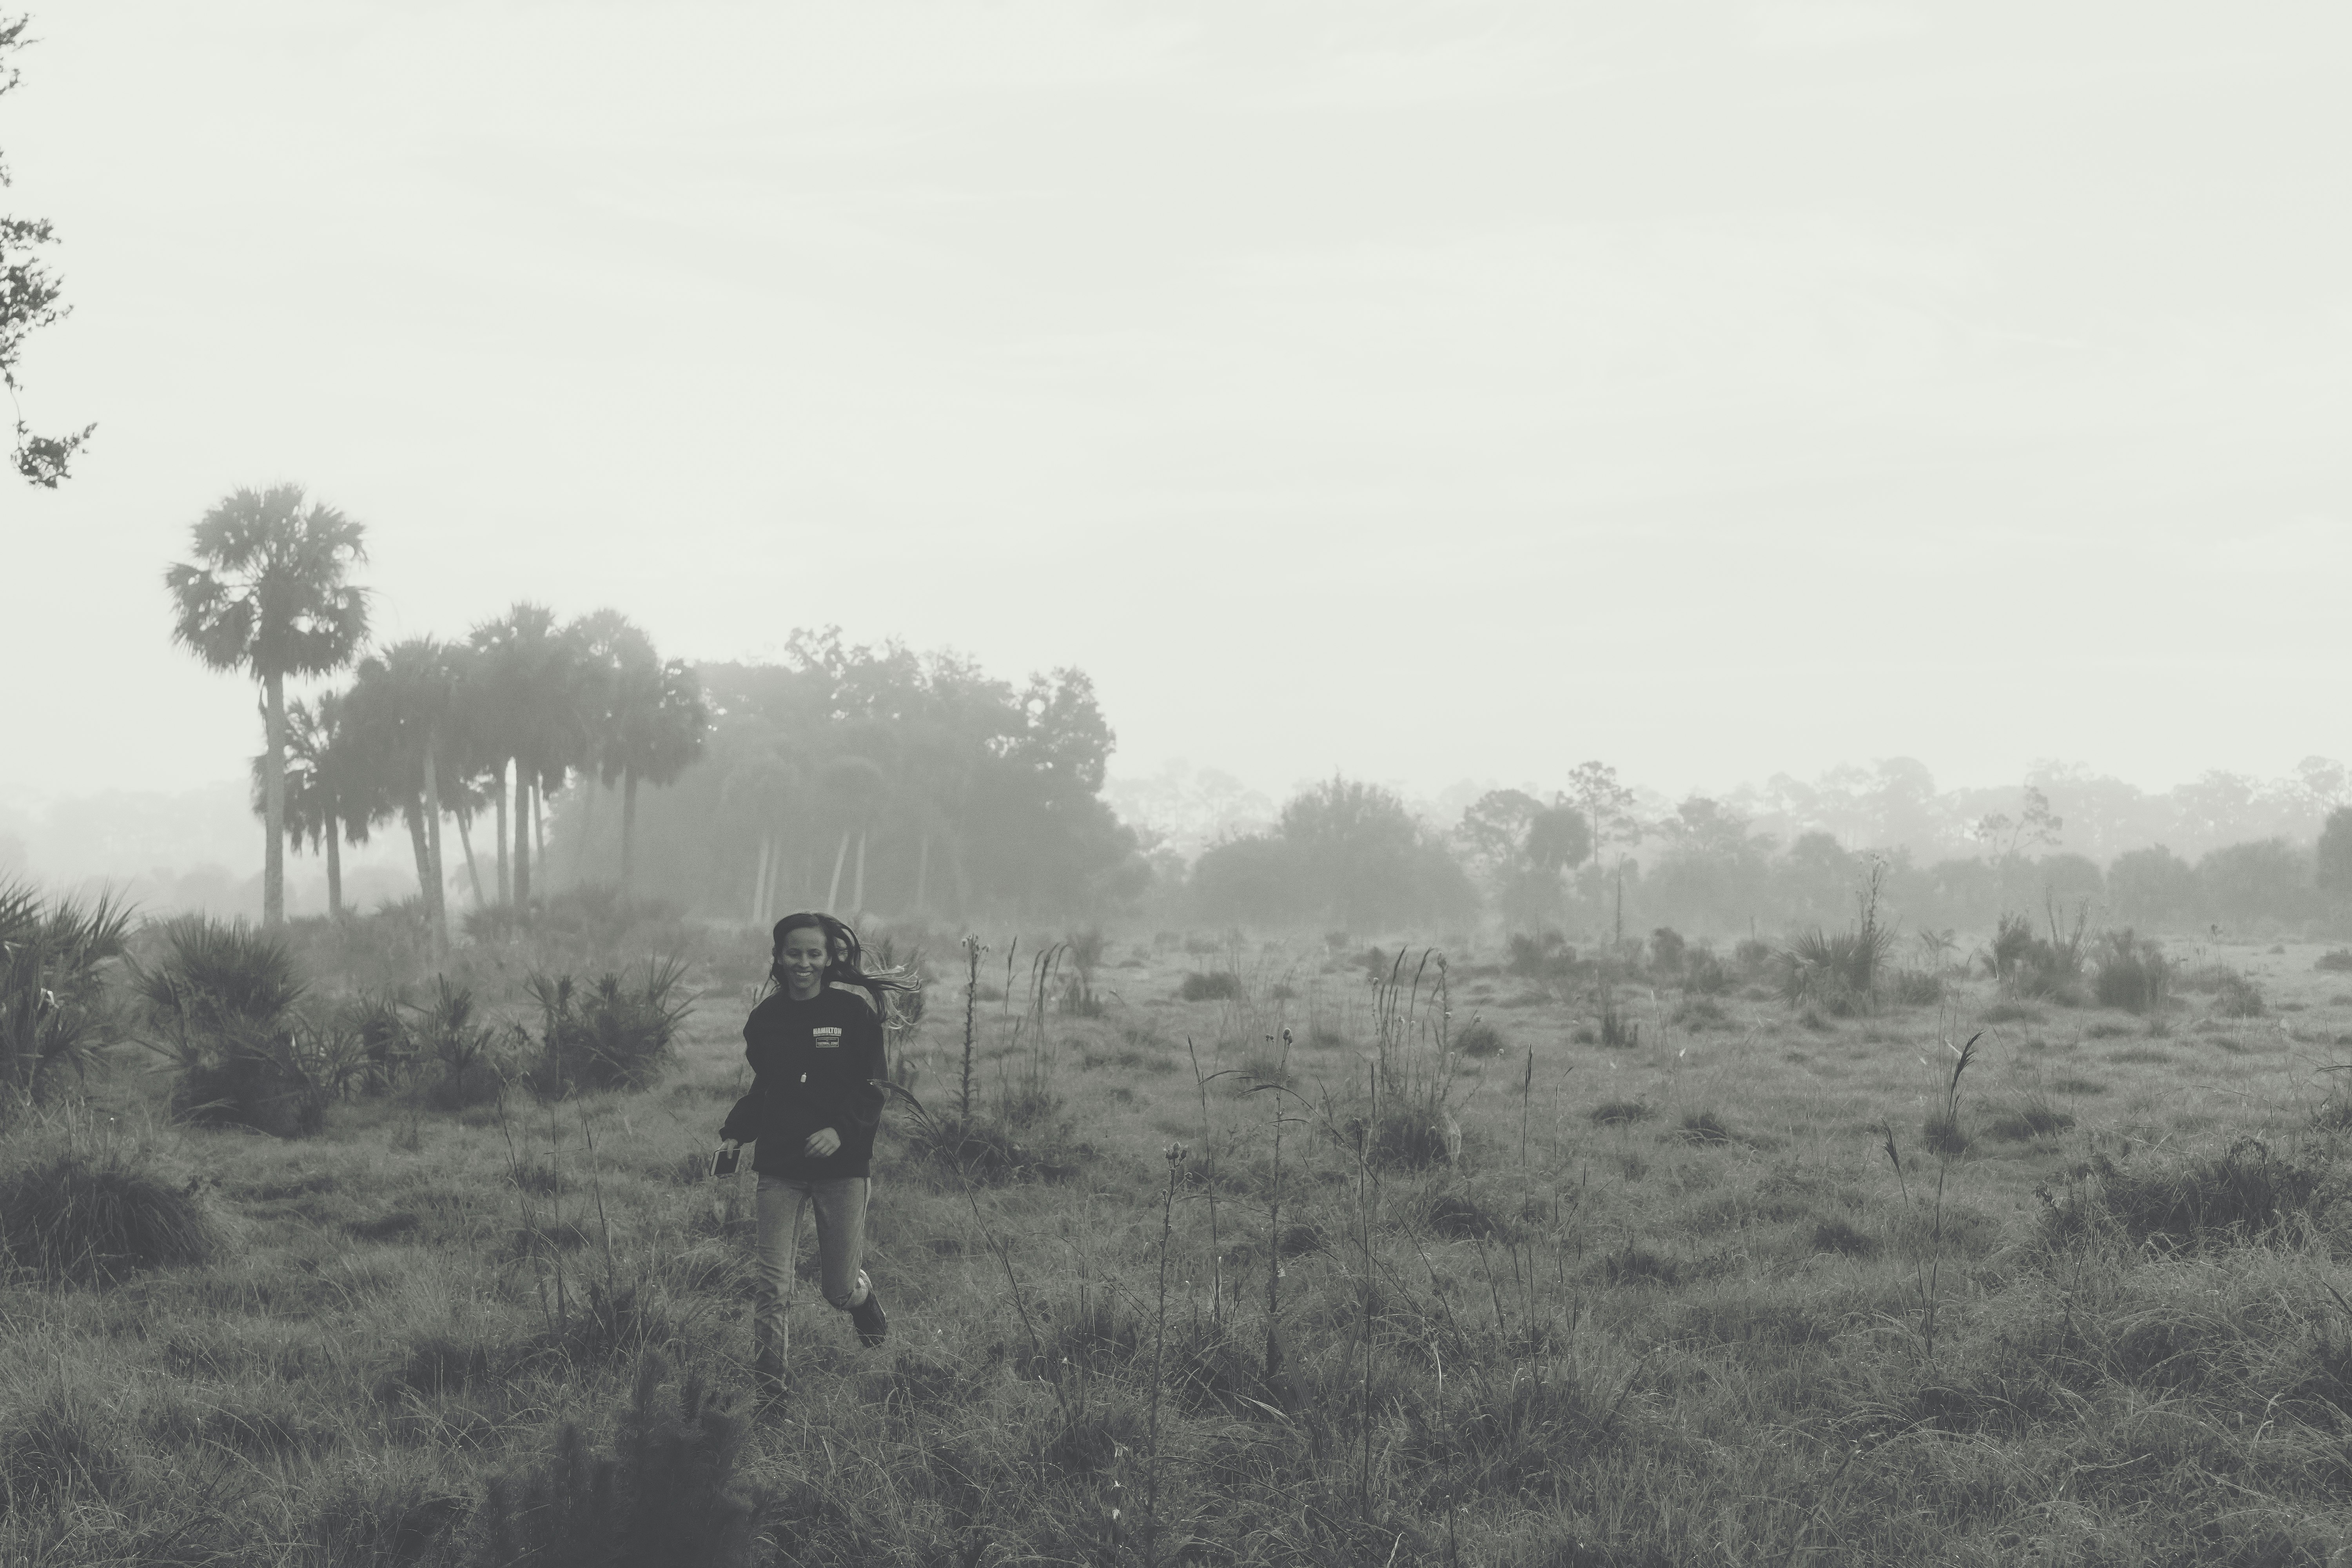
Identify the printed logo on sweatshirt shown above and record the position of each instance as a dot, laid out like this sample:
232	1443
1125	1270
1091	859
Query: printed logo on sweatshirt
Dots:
826	1038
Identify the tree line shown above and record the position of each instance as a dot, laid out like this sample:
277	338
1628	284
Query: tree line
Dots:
843	776
426	730
1589	858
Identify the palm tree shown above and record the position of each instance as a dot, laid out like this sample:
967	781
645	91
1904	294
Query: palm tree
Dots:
522	708
401	712
329	798
646	717
268	595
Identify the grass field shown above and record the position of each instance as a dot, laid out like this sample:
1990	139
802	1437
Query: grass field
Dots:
1673	1302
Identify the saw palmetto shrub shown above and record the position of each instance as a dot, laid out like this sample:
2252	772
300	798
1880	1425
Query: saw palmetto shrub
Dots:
220	1001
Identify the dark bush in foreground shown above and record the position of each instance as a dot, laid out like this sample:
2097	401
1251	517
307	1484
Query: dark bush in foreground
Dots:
96	1213
1620	1113
666	1495
1215	985
2335	958
612	1035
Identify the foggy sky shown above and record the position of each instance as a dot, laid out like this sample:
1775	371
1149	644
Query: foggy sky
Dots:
1432	393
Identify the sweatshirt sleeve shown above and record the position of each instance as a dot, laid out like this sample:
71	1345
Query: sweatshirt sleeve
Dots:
858	1103
742	1123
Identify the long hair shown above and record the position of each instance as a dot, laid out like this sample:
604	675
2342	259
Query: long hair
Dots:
845	958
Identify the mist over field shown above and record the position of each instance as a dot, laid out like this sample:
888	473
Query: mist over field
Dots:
1576	772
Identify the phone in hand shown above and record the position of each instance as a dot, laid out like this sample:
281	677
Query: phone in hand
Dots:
723	1164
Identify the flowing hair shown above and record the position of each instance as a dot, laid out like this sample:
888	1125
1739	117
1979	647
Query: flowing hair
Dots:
845	958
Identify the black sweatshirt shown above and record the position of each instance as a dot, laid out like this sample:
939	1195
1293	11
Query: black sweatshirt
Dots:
814	1065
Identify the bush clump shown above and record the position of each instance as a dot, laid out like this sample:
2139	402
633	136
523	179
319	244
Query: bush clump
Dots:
667	1494
2129	972
2030	965
1480	1039
220	1004
2337	958
96	1210
612	1035
1545	956
54	1008
2238	997
2245	1193
1213	985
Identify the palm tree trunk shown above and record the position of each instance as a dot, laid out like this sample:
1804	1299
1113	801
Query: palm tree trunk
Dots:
415	815
465	842
273	801
857	898
833	892
499	793
436	897
628	828
759	880
538	831
522	835
335	869
923	876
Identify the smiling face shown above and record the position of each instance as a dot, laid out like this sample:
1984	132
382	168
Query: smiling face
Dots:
800	961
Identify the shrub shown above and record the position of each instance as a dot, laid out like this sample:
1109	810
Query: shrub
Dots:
1479	1038
1667	950
2244	1193
464	1055
1617	1032
2335	958
1705	975
612	1036
1917	988
2238	997
1836	971
54	1009
2030	966
1546	956
1620	1113
2028	1120
1214	985
1704	1127
220	1003
666	1495
95	1210
2130	972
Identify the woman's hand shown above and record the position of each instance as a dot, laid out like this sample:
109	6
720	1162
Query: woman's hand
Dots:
821	1142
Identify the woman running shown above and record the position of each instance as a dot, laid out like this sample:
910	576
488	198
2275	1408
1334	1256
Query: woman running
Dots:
815	1050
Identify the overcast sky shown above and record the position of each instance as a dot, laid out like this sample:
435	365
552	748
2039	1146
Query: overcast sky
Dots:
1425	392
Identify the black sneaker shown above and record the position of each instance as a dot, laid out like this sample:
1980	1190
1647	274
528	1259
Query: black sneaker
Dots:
873	1322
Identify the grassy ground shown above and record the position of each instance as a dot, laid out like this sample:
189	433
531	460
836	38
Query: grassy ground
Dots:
1673	1303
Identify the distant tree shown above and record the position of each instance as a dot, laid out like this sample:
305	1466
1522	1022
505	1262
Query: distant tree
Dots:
2331	857
29	300
401	714
268	595
2150	888
2034	825
329	798
1343	851
2267	878
646	718
1607	805
1523	847
957	793
523	706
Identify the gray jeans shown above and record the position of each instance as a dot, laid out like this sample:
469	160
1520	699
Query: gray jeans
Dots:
840	1205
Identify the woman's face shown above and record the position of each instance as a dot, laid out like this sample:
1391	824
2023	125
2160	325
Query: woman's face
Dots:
802	962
